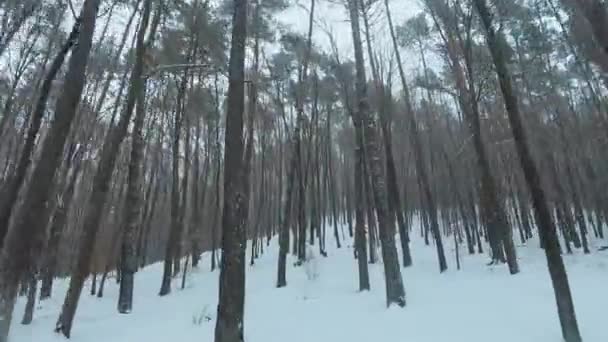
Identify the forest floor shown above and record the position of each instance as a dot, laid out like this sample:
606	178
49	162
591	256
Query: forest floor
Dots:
475	304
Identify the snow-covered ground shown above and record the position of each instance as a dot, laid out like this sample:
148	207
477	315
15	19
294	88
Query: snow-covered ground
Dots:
476	304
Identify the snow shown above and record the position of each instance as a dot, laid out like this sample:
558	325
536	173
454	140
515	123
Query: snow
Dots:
476	304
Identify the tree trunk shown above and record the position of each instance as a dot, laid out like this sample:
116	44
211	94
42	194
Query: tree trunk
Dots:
218	166
32	286
394	200
133	202
369	208
360	238
559	278
57	226
27	231
418	154
395	294
229	325
198	202
15	183
171	264
98	196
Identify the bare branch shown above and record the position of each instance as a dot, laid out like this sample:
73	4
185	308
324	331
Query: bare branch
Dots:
184	66
71	5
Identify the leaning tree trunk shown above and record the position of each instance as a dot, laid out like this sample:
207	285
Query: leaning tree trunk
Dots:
559	278
394	200
499	230
15	183
395	293
418	155
230	310
57	226
28	230
99	193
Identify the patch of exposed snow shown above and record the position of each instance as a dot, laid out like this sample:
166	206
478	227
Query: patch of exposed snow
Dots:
477	304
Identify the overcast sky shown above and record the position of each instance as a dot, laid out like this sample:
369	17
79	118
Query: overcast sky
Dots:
335	18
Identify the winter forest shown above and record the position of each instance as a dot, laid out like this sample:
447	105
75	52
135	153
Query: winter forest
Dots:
303	170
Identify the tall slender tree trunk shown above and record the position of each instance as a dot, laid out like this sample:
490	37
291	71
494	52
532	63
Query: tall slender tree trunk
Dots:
179	250
249	147
99	193
284	228
26	234
16	182
369	207
330	179
218	165
57	226
559	278
296	168
197	204
418	154
32	287
395	293
360	233
229	324
133	201
171	267
394	200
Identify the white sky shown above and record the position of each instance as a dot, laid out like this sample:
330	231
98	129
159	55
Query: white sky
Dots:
328	15
335	18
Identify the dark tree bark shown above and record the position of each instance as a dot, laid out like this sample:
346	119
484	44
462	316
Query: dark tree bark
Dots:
369	206
394	200
418	154
32	287
25	238
252	112
133	202
16	182
395	293
198	203
229	325
99	193
173	250
360	238
150	202
493	212
330	179
284	228
218	167
296	170
58	223
559	278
